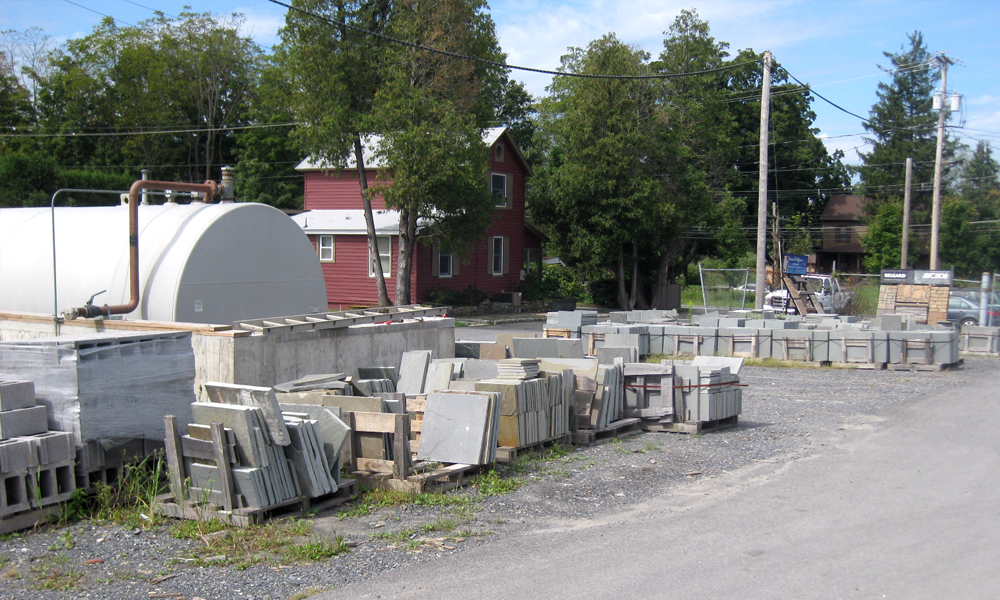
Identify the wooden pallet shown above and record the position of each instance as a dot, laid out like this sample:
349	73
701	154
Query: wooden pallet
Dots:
507	454
618	429
555	332
28	519
868	366
922	367
693	427
242	517
427	477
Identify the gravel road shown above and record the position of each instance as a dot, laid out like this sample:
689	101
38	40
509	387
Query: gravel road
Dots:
783	409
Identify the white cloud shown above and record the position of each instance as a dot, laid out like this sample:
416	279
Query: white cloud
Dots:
262	25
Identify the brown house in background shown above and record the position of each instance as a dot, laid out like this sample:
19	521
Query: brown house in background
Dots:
842	230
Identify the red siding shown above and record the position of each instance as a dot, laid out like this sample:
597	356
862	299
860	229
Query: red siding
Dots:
347	279
330	192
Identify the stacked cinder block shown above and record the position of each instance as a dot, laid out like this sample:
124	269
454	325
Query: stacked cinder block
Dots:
980	340
707	393
36	465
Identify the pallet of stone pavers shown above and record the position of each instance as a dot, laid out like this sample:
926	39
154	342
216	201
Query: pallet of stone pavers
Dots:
556	332
617	430
867	366
423	476
507	454
242	517
691	427
401	473
924	367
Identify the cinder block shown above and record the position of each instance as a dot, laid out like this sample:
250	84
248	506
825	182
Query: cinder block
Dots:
16	456
14	494
51	484
23	421
52	447
16	394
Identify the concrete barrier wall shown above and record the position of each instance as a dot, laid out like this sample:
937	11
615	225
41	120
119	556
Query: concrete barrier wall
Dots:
228	356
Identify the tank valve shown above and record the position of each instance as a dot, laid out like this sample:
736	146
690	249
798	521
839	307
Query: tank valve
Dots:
87	311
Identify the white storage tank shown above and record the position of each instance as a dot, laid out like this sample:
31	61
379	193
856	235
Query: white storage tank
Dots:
198	263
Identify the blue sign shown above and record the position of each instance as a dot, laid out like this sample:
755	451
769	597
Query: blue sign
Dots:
796	264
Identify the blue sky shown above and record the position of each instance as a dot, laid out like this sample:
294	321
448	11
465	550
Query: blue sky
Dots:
836	46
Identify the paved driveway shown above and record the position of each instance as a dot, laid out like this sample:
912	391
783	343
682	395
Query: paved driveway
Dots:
904	503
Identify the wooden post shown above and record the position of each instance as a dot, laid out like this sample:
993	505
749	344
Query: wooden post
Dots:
222	462
175	463
401	446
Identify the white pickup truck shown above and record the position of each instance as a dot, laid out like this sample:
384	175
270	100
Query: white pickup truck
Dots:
829	294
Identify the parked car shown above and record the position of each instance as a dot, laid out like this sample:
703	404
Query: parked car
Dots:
833	298
750	288
966	312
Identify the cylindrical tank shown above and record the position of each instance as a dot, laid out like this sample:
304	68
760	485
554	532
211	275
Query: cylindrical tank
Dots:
198	263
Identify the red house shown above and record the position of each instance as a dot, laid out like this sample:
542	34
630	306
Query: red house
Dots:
334	222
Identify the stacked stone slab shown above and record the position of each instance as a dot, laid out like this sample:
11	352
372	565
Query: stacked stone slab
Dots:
706	393
36	465
980	340
547	348
642	316
460	427
532	410
573	320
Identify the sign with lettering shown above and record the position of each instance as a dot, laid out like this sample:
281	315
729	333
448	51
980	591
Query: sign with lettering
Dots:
916	277
796	264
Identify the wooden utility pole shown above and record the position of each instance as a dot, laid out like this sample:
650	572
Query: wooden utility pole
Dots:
765	106
936	209
904	255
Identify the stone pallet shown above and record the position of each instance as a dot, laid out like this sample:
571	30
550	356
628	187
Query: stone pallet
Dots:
694	427
429	477
556	332
507	454
616	430
924	367
242	517
880	366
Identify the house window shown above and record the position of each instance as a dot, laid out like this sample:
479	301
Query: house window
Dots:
444	263
384	254
531	261
843	235
499	152
498	255
325	248
498	185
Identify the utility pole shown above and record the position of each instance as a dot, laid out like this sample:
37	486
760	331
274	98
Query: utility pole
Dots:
903	260
765	108
936	209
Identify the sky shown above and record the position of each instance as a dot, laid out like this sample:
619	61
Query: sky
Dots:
835	46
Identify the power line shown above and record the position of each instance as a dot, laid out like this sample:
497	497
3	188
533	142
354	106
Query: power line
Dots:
494	63
97	13
148	132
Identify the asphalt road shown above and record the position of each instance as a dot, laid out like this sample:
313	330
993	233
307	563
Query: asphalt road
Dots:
904	503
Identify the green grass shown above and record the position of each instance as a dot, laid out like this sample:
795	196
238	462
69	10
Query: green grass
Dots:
371	500
242	547
491	484
311	552
131	501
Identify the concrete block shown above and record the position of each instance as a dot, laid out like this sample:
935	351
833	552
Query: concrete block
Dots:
13	494
16	394
51	484
16	456
23	421
52	447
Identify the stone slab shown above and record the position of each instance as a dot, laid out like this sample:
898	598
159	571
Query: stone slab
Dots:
455	426
438	376
259	397
413	371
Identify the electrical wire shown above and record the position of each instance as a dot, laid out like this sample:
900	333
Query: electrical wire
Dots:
98	13
494	63
151	132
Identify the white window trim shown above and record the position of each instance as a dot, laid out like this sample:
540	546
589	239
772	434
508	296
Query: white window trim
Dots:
451	264
385	251
496	241
504	199
331	248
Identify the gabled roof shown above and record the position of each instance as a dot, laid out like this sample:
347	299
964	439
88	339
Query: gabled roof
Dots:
844	208
372	161
347	222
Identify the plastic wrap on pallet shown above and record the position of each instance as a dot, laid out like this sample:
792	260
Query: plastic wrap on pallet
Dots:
107	385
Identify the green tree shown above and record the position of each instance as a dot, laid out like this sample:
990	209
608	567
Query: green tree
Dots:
337	72
883	239
902	124
980	182
16	111
431	109
598	190
696	149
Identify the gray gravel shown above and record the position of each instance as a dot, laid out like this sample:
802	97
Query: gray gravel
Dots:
783	410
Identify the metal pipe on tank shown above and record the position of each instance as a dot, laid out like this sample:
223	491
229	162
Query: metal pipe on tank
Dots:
52	207
87	311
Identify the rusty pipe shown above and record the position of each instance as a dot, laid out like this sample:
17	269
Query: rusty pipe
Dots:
209	188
